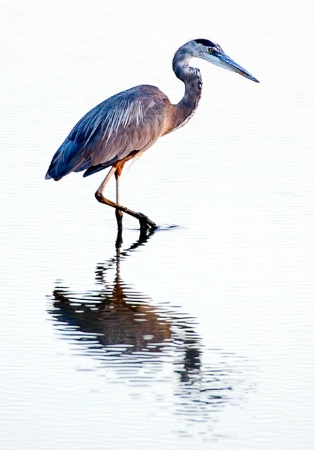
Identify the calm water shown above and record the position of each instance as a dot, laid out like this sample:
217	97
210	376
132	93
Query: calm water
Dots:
201	335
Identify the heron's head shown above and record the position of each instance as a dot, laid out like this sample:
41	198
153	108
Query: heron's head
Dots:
205	49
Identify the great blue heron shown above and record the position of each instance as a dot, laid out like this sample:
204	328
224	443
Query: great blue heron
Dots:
127	124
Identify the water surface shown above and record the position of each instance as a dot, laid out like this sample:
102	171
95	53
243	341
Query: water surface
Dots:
202	334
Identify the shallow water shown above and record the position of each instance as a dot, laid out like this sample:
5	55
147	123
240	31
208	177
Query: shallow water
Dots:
201	334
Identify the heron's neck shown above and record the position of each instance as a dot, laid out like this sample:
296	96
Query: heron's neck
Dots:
193	85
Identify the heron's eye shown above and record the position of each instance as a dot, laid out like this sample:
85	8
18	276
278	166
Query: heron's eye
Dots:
211	50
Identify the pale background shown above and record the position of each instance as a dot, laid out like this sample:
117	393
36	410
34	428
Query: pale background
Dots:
234	280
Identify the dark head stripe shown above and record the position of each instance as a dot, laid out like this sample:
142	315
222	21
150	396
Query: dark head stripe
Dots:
205	42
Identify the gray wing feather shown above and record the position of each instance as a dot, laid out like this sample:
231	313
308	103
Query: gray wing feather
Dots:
126	122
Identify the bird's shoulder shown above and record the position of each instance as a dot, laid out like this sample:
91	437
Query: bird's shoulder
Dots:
128	107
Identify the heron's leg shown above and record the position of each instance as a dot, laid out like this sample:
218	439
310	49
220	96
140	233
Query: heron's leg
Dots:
145	222
106	180
119	214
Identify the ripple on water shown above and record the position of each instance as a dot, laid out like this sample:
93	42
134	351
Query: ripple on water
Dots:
132	340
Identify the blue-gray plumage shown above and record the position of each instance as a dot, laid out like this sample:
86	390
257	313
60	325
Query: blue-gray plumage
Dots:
127	124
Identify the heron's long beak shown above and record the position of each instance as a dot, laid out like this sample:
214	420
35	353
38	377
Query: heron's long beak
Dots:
226	62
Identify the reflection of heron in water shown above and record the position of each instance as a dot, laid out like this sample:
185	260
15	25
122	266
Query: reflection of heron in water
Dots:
121	320
124	331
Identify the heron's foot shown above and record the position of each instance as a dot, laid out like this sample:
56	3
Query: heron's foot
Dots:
145	223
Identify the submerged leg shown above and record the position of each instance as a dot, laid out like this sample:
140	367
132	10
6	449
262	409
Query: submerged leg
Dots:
145	222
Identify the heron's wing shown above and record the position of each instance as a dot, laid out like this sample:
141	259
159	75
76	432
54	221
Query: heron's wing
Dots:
130	121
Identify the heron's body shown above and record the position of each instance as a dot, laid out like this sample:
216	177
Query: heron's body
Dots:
113	131
127	124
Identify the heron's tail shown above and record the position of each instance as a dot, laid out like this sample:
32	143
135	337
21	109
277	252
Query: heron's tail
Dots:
67	159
